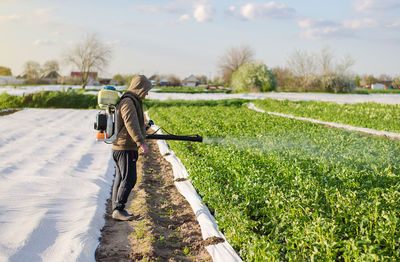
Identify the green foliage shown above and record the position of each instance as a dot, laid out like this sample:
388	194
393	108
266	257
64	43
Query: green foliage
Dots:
357	81
5	71
253	76
288	190
186	89
49	99
376	91
370	115
123	79
396	82
197	103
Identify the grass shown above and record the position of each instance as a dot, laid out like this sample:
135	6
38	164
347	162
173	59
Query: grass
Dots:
49	99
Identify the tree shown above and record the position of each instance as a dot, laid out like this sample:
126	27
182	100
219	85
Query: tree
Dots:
174	80
89	55
32	70
202	79
343	67
357	81
233	59
326	60
396	82
5	71
284	78
253	76
368	80
119	78
301	63
385	78
51	65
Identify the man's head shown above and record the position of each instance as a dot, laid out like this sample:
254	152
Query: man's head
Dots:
140	85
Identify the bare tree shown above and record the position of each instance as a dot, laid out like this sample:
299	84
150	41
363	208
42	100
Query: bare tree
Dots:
325	60
88	55
233	59
32	70
51	65
301	63
343	67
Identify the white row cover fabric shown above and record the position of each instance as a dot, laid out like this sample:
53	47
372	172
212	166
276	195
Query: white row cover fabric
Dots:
391	135
222	252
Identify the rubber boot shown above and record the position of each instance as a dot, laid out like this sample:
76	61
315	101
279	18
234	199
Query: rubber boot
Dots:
122	215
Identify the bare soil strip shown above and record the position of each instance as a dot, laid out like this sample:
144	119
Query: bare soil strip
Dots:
164	228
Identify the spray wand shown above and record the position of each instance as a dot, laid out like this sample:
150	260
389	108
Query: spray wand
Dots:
191	138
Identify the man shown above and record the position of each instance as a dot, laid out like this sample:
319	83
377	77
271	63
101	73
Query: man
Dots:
130	139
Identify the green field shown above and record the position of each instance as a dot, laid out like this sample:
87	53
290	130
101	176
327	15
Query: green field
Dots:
287	190
370	115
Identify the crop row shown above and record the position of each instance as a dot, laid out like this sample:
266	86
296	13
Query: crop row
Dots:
370	115
283	189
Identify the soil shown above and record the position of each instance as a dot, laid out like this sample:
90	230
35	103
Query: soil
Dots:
165	227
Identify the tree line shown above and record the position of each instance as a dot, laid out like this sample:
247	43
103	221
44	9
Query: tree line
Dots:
238	69
304	71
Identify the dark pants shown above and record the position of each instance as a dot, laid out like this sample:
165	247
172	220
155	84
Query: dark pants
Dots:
125	177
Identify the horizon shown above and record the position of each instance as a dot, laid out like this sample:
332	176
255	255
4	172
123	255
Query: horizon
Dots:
187	37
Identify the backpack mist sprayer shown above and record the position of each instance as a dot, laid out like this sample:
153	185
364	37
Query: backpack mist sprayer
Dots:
107	119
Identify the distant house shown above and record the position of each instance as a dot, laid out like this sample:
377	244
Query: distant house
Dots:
377	86
190	81
10	80
91	76
51	77
164	82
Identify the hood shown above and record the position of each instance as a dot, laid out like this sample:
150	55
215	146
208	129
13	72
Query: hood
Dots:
140	85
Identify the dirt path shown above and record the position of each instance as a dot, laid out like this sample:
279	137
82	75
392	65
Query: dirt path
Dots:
164	228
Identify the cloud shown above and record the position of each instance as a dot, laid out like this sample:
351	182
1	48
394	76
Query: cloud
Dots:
360	23
203	13
44	42
44	11
253	11
184	18
177	6
395	23
319	28
375	5
10	18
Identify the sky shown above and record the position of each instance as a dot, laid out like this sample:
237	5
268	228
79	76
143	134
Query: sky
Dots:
189	37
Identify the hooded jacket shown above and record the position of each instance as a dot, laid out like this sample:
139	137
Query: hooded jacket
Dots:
131	127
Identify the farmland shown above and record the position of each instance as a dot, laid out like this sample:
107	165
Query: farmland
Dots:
370	115
283	189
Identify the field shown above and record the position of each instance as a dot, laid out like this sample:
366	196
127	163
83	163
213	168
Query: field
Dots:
370	115
280	189
283	189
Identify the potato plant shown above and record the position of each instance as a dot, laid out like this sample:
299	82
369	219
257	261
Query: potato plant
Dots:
287	190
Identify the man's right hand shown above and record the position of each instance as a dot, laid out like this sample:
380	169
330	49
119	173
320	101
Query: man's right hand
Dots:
144	149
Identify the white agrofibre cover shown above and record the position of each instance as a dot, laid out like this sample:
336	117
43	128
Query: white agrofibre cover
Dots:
55	180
